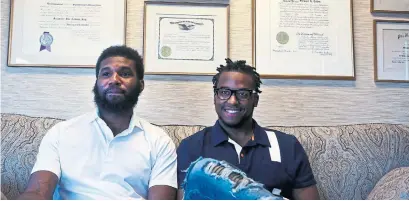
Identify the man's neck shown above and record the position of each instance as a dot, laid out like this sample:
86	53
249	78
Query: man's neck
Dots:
241	134
116	121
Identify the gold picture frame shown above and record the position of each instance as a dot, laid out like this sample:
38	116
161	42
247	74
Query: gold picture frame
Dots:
194	39
389	57
390	6
48	34
264	66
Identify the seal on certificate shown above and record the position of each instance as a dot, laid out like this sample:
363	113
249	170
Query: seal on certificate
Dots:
282	37
166	51
186	25
46	39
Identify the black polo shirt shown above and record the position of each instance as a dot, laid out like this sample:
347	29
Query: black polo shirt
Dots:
292	172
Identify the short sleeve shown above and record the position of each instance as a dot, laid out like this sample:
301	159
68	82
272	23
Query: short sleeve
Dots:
48	158
304	176
164	168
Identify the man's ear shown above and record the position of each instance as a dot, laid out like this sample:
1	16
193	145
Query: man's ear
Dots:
256	98
142	82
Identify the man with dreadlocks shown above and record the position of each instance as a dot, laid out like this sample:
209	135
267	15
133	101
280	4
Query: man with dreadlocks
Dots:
272	158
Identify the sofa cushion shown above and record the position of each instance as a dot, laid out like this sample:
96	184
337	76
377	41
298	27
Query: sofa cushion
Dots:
178	133
20	139
349	160
392	186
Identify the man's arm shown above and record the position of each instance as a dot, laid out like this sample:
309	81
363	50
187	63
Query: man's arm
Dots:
46	171
307	193
161	192
41	186
304	185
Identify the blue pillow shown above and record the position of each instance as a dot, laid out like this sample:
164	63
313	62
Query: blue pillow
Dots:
210	179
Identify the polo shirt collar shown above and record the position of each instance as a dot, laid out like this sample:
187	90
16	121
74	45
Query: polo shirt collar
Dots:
134	123
260	135
218	135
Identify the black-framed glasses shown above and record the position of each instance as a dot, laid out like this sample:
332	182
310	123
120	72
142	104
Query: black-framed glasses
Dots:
241	94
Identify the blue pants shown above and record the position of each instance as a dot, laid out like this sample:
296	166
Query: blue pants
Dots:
210	179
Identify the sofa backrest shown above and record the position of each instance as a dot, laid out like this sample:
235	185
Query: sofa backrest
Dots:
347	161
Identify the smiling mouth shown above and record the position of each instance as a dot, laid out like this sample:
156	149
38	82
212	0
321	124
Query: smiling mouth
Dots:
232	111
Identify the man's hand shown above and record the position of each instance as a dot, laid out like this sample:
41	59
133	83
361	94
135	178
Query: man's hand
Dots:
41	186
161	192
180	194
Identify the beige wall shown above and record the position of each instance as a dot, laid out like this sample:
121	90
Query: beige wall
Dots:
65	93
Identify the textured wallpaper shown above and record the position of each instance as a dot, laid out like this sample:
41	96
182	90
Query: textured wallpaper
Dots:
65	93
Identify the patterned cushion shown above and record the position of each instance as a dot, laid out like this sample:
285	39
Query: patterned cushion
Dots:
20	138
178	133
347	160
392	186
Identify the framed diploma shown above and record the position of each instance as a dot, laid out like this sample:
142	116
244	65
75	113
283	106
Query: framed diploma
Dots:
303	39
391	50
185	38
390	6
64	33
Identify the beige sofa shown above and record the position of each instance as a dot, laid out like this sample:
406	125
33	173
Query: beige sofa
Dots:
349	162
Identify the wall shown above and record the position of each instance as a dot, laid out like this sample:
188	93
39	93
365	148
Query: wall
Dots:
65	93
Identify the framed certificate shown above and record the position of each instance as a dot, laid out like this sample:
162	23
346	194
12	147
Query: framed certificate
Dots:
185	38
391	50
390	6
64	33
303	39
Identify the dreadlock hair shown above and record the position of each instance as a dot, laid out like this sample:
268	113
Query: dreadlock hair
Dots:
238	66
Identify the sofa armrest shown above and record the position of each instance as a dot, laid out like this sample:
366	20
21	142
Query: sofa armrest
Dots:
393	186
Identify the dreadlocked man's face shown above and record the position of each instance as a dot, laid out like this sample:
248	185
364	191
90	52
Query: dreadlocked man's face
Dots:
234	112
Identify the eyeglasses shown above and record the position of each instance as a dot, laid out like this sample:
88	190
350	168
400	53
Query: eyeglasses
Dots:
241	94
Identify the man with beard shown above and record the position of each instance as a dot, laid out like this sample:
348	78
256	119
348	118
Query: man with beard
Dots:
109	153
275	159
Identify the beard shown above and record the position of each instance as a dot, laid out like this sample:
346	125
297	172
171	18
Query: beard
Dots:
126	104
